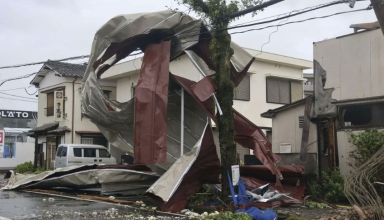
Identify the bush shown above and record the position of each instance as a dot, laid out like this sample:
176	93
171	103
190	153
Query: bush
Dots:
26	167
367	144
330	187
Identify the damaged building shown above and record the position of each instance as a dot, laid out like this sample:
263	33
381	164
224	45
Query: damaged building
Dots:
166	124
348	99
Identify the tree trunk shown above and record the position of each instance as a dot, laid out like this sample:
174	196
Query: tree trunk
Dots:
222	53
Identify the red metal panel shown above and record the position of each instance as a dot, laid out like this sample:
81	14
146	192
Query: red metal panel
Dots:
151	98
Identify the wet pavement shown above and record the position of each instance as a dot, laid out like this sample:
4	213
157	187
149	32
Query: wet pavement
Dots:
24	205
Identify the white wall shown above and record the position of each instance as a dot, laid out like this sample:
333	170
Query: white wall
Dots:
252	109
80	123
24	153
286	130
354	64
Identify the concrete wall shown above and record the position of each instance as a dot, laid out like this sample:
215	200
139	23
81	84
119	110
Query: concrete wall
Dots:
354	64
24	153
286	130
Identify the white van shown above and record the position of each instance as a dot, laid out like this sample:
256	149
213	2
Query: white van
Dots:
81	154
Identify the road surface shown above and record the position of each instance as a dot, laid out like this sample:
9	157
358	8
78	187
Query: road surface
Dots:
24	205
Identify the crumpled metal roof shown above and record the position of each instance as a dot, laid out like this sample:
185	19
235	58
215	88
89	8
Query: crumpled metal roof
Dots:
59	130
67	69
45	127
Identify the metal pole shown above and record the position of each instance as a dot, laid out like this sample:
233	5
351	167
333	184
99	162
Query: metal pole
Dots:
182	124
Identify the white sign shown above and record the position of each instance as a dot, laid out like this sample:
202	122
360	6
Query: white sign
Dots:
58	106
235	174
285	148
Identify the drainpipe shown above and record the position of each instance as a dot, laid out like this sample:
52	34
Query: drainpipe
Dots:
73	109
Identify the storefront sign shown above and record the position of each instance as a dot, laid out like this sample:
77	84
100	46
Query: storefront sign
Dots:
58	106
17	114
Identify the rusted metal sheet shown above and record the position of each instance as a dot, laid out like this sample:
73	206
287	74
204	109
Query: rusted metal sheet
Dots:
250	136
151	98
306	126
204	88
206	169
247	134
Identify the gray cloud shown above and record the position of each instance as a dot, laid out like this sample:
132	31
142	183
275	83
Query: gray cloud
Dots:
35	30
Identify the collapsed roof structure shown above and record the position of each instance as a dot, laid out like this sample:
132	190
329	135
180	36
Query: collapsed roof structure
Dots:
166	125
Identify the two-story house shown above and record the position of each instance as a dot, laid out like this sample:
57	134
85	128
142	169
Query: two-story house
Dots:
59	110
272	81
348	98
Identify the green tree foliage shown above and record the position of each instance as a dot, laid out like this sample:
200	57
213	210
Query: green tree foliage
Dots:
367	144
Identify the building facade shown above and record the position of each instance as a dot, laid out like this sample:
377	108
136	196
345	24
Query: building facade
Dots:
354	71
59	110
308	84
272	81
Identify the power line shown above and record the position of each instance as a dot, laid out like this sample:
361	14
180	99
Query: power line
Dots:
300	21
17	96
42	62
5	90
309	9
18	99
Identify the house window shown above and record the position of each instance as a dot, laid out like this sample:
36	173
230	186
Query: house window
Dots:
269	135
243	90
364	116
283	91
85	140
107	93
50	101
301	121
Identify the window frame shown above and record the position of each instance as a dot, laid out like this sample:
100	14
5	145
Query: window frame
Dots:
289	80
50	109
84	149
64	149
81	152
249	90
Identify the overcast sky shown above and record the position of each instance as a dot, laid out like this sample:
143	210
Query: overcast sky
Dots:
37	30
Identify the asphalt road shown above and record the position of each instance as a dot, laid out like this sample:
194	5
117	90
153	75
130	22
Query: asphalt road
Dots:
23	205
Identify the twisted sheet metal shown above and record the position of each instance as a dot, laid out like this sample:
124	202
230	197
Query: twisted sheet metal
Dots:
360	189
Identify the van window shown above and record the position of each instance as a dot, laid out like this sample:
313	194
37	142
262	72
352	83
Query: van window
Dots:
59	151
103	153
64	152
89	152
77	152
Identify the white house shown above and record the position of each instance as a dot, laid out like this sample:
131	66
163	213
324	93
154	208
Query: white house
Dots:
59	110
273	80
354	70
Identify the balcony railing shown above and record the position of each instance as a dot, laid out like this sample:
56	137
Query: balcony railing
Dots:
48	111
